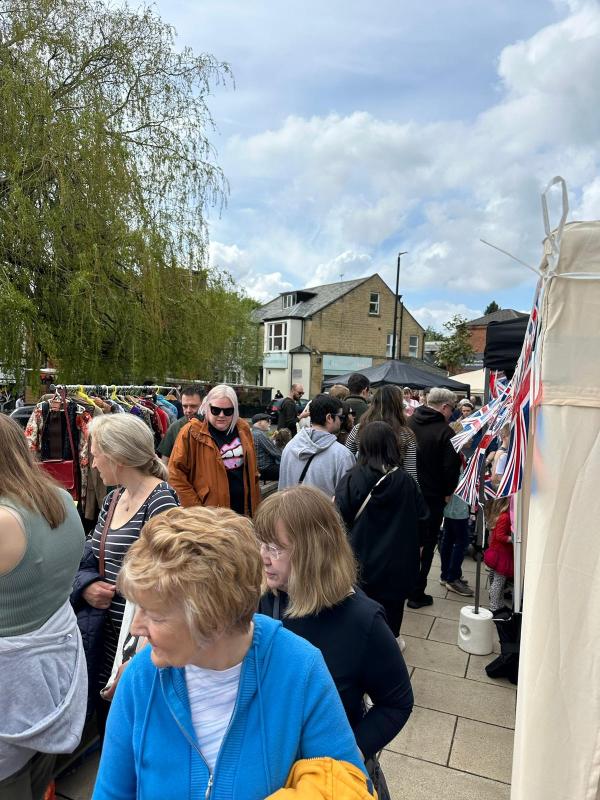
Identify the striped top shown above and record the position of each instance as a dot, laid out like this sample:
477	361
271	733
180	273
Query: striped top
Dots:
212	695
410	456
118	541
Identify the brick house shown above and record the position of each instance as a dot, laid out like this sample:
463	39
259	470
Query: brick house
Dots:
478	331
311	334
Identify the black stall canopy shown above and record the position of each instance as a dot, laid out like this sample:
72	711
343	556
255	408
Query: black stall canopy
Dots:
503	344
401	374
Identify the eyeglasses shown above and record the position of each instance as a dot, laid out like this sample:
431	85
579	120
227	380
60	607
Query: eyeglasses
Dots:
272	550
216	411
341	416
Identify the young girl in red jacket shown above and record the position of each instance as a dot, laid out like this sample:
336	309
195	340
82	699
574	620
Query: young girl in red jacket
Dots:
499	554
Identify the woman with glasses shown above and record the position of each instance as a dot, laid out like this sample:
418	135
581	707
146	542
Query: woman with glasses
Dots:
310	583
224	702
213	462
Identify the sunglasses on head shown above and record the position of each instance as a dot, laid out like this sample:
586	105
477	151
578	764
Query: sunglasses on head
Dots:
215	411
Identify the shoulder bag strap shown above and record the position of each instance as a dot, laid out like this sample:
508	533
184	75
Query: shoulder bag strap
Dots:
305	470
368	497
105	527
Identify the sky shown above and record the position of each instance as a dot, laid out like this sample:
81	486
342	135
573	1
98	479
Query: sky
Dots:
358	130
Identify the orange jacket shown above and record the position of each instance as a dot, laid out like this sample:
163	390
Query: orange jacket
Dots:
197	472
325	779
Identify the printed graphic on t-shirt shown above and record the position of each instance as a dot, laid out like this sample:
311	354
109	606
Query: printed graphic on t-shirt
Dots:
233	454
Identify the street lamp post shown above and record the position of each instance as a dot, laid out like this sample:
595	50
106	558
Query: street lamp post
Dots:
403	253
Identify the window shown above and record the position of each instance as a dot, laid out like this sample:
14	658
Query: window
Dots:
413	346
276	336
289	300
388	345
374	303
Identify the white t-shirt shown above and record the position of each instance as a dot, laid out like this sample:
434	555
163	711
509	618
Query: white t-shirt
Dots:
212	695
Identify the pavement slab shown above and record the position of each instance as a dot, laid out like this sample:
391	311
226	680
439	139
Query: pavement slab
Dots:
427	735
444	630
416	625
447	609
464	698
482	749
435	656
412	779
476	672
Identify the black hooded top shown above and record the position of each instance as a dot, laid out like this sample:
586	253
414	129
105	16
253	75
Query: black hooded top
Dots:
438	463
385	537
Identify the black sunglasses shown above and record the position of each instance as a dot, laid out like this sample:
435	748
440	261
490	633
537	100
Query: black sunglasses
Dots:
215	411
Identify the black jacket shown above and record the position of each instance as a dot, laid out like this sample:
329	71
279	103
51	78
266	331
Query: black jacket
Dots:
288	415
438	463
363	657
385	537
90	621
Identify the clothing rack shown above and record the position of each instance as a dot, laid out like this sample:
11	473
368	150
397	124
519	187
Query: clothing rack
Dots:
104	390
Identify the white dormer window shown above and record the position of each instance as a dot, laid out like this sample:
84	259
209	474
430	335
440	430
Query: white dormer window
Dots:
289	300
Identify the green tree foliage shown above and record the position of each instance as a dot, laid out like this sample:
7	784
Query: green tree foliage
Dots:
493	306
431	335
106	172
455	351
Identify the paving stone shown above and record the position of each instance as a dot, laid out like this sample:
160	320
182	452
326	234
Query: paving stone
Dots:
427	735
415	624
483	750
412	779
464	698
436	656
434	588
441	608
444	630
476	671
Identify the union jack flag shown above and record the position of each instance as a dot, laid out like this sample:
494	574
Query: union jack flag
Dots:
525	390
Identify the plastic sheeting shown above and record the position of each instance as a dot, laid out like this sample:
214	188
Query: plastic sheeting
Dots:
557	739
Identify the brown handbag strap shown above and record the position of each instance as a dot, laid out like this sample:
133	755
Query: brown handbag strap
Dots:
105	527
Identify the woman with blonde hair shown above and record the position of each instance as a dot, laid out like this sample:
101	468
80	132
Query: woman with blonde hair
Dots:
42	663
123	450
223	701
213	462
310	583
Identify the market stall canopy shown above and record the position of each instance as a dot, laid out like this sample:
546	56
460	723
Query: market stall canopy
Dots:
401	374
503	344
476	379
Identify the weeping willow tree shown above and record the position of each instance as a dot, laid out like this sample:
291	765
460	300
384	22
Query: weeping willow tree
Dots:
106	172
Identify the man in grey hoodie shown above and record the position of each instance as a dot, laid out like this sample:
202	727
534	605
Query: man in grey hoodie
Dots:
314	456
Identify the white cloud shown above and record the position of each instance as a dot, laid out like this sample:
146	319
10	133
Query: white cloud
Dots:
436	314
238	263
343	193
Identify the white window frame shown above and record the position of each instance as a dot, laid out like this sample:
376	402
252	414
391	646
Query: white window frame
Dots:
289	300
272	337
388	345
374	304
413	346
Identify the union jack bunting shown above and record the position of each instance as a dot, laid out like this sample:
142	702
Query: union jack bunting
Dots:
524	392
497	383
476	421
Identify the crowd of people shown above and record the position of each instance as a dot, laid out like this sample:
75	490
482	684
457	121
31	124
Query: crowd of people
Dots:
227	643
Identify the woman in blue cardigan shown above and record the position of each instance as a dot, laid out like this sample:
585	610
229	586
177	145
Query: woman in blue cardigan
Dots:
223	702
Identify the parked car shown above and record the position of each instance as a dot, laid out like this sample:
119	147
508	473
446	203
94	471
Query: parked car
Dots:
21	415
274	406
